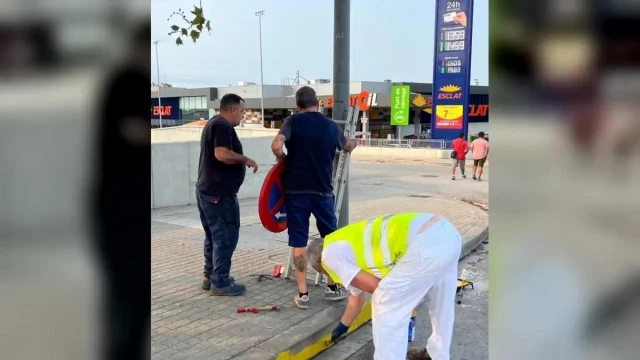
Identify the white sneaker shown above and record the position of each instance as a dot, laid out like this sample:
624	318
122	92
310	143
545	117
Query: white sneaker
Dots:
302	301
340	293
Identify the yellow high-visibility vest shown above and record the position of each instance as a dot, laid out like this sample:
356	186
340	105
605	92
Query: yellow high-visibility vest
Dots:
377	243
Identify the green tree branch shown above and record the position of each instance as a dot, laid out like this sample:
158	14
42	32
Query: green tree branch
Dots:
193	27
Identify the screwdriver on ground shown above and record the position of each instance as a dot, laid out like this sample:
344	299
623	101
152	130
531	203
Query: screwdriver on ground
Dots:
255	310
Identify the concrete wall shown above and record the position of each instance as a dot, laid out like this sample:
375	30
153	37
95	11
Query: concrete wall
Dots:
192	133
174	170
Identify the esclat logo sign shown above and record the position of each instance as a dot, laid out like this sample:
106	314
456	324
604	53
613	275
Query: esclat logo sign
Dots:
365	100
450	92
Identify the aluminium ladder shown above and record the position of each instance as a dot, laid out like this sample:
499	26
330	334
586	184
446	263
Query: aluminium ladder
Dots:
339	181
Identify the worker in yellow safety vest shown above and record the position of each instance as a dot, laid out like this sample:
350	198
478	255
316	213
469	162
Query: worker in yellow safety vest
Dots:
399	259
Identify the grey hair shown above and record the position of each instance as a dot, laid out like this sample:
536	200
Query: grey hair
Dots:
306	97
314	251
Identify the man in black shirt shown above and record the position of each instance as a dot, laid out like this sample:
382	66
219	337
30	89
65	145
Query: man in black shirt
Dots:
220	174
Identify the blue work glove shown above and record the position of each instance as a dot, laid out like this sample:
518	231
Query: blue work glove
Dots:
340	330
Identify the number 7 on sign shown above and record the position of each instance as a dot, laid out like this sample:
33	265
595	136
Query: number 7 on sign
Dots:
446	112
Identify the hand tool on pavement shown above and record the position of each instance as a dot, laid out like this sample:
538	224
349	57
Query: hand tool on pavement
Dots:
262	277
339	182
256	310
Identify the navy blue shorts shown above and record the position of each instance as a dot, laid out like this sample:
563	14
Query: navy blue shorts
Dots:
300	207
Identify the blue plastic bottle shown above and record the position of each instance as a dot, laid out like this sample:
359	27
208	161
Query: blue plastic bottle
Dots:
412	326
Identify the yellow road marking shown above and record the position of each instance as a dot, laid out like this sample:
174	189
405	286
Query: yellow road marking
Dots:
324	342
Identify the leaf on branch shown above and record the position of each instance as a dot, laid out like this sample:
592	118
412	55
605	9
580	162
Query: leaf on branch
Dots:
199	20
189	30
194	35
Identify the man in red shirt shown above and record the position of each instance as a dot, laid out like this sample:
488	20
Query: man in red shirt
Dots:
461	148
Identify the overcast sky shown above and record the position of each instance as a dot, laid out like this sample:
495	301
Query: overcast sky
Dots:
389	40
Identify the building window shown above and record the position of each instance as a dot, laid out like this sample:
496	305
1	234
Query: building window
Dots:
194	108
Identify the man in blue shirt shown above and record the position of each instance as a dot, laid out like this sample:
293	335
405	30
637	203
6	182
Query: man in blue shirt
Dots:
311	140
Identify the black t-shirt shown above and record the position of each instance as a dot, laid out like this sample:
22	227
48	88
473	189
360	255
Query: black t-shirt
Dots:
311	141
216	178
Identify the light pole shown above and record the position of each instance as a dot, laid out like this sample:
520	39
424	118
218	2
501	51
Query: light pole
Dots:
341	61
158	71
259	15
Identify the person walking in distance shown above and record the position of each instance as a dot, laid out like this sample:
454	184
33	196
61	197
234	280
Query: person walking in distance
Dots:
311	140
221	172
460	149
399	259
480	150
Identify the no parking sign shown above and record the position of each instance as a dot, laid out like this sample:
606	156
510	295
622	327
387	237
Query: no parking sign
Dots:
271	207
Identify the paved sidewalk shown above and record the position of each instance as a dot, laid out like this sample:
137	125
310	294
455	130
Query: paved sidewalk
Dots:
187	323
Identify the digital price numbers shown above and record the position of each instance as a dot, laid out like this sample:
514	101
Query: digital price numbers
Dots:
451	66
453	40
451	35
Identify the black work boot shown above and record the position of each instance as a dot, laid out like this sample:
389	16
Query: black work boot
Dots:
206	284
234	289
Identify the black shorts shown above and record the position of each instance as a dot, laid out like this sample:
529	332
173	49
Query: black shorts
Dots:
299	209
479	162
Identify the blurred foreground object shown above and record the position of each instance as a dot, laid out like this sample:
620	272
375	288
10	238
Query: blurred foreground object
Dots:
564	187
123	198
52	70
27	46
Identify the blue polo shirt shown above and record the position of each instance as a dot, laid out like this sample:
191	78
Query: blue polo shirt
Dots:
311	140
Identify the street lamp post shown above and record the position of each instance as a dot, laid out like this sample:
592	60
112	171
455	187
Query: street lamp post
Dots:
259	15
341	61
158	71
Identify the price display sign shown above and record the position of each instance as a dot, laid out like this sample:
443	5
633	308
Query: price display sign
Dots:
452	68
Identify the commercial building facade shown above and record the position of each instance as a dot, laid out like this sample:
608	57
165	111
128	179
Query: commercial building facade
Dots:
179	106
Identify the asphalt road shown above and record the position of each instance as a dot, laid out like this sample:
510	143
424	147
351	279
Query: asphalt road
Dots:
471	334
369	180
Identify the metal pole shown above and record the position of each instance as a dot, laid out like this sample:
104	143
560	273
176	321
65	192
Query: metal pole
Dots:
259	15
341	58
158	71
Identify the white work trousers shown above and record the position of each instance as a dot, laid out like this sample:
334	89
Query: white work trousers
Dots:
429	267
